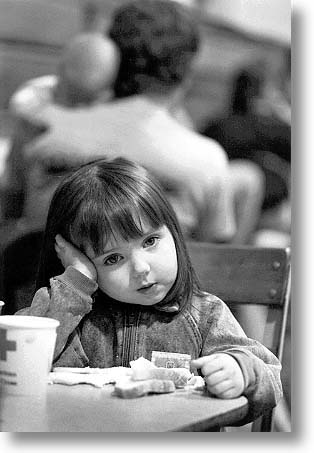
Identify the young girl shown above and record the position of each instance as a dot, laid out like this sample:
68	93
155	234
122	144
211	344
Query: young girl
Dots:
115	272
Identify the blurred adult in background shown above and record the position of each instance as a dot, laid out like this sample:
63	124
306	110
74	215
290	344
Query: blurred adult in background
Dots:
138	73
86	72
162	42
158	41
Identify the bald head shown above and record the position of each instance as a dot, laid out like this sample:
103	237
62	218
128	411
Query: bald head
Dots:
88	67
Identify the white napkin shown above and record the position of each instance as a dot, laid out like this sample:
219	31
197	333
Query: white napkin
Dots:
98	377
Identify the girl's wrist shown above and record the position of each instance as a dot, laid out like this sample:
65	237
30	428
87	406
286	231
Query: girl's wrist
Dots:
85	271
82	283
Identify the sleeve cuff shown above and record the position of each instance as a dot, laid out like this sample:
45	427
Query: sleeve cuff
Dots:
78	281
245	363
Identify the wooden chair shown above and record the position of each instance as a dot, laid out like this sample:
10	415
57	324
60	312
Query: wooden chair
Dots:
255	284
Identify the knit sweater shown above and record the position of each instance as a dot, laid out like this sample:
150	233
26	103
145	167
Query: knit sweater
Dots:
98	332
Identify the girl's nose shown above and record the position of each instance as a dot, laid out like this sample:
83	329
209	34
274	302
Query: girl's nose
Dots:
140	265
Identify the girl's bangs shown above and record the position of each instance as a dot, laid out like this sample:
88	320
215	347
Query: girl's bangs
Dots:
114	219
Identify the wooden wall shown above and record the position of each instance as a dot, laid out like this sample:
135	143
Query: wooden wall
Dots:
32	34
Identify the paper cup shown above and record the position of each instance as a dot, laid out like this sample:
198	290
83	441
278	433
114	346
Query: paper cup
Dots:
26	352
1	306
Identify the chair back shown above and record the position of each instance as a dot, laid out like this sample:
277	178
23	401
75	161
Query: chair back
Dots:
255	284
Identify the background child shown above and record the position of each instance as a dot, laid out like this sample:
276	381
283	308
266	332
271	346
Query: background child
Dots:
86	74
115	272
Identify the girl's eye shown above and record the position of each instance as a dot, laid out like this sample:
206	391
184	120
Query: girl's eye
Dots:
112	259
151	241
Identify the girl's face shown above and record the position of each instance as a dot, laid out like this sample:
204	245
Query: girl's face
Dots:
138	271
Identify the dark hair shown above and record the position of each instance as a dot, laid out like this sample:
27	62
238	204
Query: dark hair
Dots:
246	87
157	41
105	198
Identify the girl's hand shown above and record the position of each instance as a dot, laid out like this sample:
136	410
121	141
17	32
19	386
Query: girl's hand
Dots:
222	374
72	256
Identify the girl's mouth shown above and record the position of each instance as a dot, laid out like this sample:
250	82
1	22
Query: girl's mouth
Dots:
147	288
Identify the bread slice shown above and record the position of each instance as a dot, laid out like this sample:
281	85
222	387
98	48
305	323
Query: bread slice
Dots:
127	388
179	376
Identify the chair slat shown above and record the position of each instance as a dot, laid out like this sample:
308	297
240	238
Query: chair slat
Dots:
242	274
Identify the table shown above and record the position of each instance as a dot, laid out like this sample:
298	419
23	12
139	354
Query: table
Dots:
83	408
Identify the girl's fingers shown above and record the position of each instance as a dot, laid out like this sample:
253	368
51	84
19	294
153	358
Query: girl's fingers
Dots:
230	393
220	388
60	241
215	378
60	253
58	238
208	364
198	363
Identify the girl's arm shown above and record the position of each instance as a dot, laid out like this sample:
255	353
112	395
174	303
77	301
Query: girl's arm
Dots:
260	368
68	300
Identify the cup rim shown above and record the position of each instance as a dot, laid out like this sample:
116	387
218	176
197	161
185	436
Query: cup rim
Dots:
28	322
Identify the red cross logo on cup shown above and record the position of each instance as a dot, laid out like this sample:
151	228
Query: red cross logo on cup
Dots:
5	345
170	364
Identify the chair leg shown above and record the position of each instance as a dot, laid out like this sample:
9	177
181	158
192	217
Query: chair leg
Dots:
282	417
